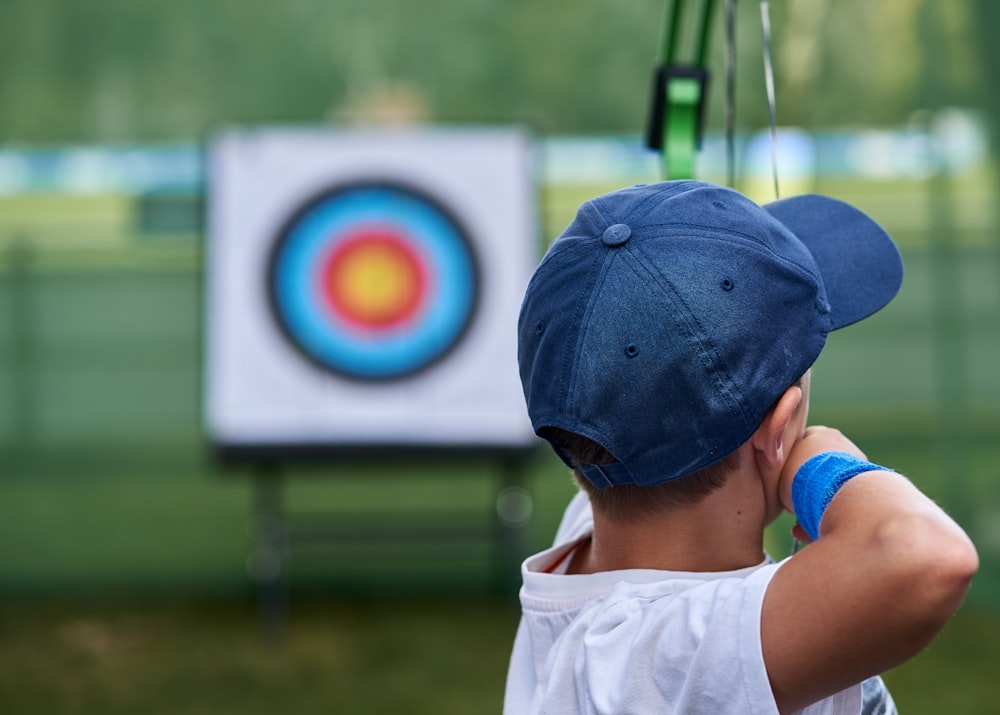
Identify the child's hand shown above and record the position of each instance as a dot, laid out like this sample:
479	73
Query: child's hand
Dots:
800	535
816	440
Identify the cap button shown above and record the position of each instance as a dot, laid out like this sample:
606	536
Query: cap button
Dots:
616	234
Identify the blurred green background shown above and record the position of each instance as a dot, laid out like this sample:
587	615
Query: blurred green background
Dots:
126	553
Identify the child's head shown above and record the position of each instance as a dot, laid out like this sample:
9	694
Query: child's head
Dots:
667	319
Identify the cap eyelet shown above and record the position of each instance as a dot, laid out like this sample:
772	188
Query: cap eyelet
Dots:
727	284
631	350
539	328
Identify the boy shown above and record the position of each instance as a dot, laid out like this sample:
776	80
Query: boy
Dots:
665	342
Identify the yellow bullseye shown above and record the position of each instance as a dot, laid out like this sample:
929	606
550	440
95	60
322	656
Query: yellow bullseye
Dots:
374	281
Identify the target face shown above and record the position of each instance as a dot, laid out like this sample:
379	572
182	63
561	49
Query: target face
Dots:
373	281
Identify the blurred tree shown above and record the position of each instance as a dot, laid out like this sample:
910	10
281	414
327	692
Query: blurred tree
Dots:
120	70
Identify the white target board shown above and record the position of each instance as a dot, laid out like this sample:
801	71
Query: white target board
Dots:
363	288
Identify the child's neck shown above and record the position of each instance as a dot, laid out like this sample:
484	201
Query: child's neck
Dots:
723	532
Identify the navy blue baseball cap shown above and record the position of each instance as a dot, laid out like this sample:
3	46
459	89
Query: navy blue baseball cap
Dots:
668	318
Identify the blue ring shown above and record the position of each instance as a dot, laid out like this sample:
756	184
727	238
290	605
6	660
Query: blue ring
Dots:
384	355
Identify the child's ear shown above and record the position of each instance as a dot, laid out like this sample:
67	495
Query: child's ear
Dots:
769	439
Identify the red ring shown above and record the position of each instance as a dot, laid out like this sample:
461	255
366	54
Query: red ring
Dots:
374	280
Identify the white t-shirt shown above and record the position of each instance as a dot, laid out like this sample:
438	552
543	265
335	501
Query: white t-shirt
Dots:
642	641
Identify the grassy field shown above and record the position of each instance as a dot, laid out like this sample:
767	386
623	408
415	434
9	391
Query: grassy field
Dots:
352	658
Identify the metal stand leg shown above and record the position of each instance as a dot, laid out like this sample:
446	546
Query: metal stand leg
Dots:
514	507
20	352
268	563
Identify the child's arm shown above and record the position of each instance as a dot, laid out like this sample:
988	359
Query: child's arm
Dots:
889	570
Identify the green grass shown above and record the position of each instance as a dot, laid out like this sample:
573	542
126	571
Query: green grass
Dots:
956	673
384	657
351	658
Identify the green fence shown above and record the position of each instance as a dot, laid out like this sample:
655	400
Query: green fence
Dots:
106	483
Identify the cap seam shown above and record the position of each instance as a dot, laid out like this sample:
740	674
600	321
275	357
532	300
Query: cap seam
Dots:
666	190
728	234
561	249
705	345
588	314
599	218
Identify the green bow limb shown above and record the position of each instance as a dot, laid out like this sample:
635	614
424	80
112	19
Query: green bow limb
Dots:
679	90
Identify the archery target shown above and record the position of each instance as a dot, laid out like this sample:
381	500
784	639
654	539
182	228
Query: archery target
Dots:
373	281
363	287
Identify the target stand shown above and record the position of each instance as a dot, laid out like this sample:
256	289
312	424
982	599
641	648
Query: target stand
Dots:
362	292
282	537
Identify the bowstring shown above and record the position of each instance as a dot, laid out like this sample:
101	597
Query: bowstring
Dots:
731	92
765	21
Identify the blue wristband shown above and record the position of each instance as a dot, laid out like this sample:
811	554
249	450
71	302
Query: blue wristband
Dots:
818	480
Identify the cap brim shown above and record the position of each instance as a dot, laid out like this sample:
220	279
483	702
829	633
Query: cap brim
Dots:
860	265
